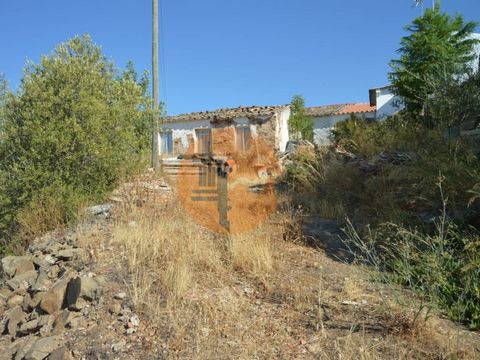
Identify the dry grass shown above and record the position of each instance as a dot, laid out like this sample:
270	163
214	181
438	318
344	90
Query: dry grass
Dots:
180	255
252	253
255	296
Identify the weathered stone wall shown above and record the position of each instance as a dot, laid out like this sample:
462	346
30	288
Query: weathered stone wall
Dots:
272	130
267	132
223	141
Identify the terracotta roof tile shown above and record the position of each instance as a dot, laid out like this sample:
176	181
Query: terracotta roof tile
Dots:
339	109
357	108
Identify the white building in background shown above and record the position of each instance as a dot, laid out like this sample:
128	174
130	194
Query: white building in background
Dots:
385	102
325	118
388	104
476	61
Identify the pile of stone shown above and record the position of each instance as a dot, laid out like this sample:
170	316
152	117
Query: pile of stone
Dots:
375	163
44	293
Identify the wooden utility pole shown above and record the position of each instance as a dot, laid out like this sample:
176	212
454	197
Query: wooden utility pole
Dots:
155	86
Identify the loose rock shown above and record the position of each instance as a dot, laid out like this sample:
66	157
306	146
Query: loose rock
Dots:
22	281
16	265
42	348
13	317
120	296
73	254
82	287
53	299
42	283
15	300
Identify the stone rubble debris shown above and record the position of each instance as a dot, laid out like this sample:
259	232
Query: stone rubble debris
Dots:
49	292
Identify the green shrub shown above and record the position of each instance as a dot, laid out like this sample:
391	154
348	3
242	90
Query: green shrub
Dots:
75	127
443	266
393	207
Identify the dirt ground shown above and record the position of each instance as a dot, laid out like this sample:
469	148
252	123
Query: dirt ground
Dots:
308	307
281	301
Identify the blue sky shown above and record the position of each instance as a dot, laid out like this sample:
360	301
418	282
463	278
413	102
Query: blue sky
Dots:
227	53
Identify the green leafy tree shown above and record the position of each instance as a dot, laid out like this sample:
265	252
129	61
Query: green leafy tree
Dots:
75	127
300	125
3	95
437	52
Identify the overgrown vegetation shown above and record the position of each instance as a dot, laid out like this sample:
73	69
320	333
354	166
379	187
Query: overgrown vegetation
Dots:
435	53
300	125
407	188
73	129
254	295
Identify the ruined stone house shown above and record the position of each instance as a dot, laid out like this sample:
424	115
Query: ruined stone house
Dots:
224	131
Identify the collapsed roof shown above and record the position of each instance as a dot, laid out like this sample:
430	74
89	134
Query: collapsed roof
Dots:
229	114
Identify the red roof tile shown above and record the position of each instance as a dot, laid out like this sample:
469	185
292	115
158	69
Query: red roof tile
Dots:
339	109
356	108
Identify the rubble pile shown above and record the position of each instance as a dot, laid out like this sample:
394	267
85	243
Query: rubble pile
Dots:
373	164
49	296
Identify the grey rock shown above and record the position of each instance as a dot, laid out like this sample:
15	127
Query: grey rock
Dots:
60	354
43	348
49	259
54	247
82	287
79	305
42	283
120	296
67	319
5	294
11	319
22	346
36	299
16	265
30	327
73	254
53	272
100	210
54	298
22	281
135	320
14	300
131	331
43	261
26	302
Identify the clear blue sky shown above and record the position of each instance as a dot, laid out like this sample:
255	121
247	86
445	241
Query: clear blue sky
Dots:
226	53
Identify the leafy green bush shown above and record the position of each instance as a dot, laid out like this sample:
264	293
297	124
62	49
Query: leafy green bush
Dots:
444	266
75	127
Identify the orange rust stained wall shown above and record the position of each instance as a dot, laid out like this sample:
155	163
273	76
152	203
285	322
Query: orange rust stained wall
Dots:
223	140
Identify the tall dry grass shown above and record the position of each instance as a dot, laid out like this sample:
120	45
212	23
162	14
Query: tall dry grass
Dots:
168	252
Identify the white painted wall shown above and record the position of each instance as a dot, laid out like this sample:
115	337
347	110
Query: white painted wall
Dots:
282	128
181	130
477	52
387	103
323	126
